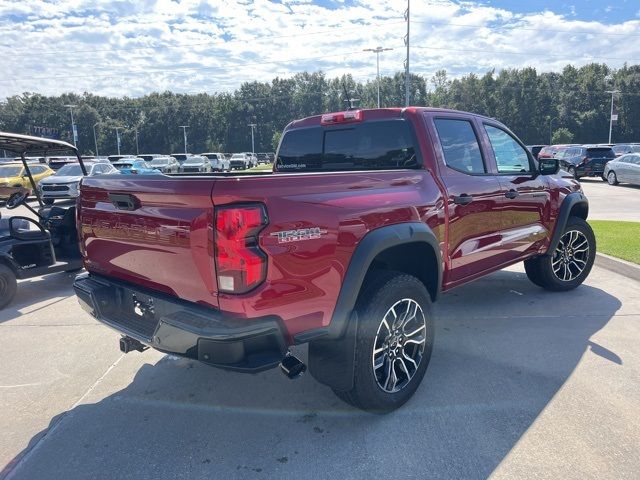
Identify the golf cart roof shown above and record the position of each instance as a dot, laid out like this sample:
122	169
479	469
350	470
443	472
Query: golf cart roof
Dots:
26	144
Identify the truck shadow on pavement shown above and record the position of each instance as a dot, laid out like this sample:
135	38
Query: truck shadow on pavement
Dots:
38	293
503	350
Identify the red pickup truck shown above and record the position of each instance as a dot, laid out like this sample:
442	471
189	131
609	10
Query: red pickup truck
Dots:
367	217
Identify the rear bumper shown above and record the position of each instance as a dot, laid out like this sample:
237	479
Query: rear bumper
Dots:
182	328
590	172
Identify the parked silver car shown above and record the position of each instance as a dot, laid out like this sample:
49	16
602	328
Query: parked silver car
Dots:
625	168
165	164
64	184
196	164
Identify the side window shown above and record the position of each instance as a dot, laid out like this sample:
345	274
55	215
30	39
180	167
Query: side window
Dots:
511	157
460	145
36	170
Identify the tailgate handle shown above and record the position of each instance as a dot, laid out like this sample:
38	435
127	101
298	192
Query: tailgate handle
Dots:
124	201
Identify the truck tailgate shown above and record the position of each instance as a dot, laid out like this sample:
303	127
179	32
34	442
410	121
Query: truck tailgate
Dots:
152	231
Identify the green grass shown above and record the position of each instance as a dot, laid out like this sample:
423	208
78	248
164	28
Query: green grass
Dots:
260	168
619	239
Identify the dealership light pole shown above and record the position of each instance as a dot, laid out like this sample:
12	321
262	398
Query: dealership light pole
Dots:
137	149
377	51
184	133
406	62
550	135
95	138
612	92
252	125
74	134
118	138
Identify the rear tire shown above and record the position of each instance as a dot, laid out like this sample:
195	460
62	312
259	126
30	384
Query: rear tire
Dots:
394	341
8	286
572	172
569	265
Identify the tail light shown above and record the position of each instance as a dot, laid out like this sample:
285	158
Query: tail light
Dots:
240	264
342	117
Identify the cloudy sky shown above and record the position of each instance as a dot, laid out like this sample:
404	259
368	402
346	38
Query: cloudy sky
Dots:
123	47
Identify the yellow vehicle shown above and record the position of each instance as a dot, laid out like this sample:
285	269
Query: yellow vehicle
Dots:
14	176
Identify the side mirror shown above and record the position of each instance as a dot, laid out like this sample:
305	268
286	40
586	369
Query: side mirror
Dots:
548	166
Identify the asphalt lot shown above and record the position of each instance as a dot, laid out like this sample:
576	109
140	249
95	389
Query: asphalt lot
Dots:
522	384
621	202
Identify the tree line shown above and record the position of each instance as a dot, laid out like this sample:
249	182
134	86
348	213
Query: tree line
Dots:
573	105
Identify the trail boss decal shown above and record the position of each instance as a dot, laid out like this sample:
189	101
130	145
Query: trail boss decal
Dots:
287	236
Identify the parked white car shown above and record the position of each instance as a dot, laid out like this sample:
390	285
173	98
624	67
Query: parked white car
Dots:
64	184
239	161
219	162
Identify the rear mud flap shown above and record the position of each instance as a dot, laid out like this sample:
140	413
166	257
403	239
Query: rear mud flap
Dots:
332	362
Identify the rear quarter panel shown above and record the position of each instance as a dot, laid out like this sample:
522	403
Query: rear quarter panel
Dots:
304	277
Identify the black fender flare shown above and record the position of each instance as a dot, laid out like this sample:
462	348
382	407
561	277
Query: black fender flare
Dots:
331	349
570	201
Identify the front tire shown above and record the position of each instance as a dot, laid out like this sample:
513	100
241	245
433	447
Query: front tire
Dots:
8	286
612	179
394	342
570	263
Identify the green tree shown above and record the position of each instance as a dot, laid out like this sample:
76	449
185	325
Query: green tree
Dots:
275	140
562	135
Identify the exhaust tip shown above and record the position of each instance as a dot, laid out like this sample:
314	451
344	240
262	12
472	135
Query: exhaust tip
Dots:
292	367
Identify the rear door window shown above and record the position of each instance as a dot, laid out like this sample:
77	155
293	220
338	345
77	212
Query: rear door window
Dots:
600	153
460	145
511	157
384	144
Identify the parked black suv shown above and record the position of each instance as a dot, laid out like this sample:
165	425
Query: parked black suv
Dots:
535	149
585	161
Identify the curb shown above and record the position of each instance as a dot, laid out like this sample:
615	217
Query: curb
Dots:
617	265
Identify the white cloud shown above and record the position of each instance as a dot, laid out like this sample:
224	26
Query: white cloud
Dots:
134	47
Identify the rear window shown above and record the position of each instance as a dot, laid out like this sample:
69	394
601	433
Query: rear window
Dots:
364	146
600	152
10	171
160	161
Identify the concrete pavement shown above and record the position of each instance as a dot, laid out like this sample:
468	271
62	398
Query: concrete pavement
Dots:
523	383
